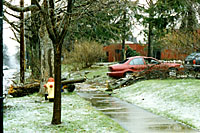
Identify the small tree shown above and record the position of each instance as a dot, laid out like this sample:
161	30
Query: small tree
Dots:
160	16
84	54
182	42
130	52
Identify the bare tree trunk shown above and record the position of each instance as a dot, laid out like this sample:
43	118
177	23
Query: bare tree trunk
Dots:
124	37
34	42
149	40
51	61
57	92
22	48
57	35
35	57
150	31
47	58
1	68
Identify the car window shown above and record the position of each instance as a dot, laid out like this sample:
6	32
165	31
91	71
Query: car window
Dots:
150	61
197	55
193	55
122	62
154	61
147	61
137	61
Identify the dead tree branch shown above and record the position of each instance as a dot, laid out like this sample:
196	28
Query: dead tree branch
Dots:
20	9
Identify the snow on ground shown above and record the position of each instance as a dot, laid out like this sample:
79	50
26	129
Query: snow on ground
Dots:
34	114
176	99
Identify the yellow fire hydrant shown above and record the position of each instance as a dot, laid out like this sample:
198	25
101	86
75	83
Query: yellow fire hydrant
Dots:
50	88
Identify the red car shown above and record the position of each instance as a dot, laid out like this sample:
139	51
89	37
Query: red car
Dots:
141	63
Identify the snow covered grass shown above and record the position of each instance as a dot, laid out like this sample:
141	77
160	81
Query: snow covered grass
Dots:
97	71
175	99
34	114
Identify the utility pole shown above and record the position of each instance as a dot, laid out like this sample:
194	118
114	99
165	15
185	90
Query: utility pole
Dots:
1	66
22	48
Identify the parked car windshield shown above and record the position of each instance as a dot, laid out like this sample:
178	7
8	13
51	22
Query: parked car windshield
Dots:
137	61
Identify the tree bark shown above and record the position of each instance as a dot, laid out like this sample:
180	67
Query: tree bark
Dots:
51	62
57	92
46	58
1	67
149	40
124	37
22	48
150	31
123	49
23	90
72	81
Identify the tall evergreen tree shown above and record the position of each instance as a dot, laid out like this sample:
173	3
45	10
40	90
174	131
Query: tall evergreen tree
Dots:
160	16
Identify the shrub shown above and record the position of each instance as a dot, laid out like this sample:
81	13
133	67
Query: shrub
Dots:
84	54
130	52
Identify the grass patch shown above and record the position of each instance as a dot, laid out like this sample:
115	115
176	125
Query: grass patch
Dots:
176	99
91	72
97	71
34	114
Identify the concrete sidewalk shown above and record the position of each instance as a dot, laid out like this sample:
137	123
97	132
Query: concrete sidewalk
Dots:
131	117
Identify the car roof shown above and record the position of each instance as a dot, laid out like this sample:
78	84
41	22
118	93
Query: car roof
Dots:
139	57
193	55
135	57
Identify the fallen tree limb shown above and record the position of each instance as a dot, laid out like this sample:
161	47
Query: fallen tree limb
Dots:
122	82
72	81
30	88
23	90
147	73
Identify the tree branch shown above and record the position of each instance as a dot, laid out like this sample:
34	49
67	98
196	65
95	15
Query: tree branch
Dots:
11	23
18	17
16	38
47	19
66	21
52	14
20	9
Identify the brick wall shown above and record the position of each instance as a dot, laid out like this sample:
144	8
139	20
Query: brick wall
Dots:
114	51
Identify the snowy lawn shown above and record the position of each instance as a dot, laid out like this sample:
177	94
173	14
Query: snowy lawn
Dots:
175	99
34	114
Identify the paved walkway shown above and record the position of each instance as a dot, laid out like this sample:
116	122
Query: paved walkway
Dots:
131	117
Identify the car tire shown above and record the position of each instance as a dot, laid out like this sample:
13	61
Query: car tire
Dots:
172	72
128	75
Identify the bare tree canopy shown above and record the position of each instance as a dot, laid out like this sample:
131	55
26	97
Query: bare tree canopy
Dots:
19	9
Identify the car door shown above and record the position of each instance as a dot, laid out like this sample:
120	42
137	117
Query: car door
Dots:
137	64
152	64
